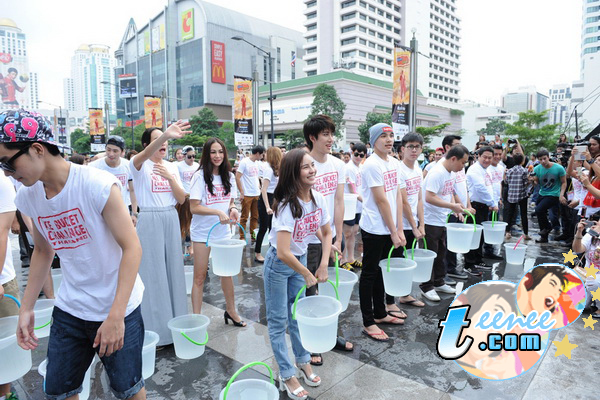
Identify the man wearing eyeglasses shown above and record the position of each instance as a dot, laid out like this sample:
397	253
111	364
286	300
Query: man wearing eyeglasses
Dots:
353	183
187	167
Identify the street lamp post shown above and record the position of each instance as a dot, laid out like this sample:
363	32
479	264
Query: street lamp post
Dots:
271	98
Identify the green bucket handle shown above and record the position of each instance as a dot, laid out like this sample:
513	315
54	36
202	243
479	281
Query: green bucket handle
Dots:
245	367
303	288
217	224
465	220
13	298
193	341
494	218
415	241
390	256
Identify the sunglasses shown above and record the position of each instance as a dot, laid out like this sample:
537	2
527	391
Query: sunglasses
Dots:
190	157
8	165
361	155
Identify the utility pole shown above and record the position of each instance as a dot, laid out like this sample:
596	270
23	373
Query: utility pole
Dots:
107	111
413	83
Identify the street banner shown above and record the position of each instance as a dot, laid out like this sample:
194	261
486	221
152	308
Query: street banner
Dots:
187	24
218	62
152	112
147	41
401	95
242	110
97	132
14	80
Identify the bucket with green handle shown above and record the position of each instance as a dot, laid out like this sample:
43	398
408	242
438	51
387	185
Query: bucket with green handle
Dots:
397	274
250	389
190	335
494	230
226	254
344	282
459	236
424	259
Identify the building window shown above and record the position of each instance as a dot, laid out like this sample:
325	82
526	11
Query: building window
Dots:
362	28
311	27
348	16
311	38
372	57
388	73
362	54
348	41
347	54
372	45
362	41
311	15
348	28
311	73
348	3
380	71
311	62
380	59
362	66
311	4
363	17
311	50
371	8
371	69
363	4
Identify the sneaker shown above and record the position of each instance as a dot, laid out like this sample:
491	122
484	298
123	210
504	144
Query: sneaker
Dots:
347	266
561	237
471	270
449	281
445	289
481	265
493	256
458	275
431	295
357	264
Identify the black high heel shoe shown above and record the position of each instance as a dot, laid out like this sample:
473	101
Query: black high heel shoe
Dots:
227	317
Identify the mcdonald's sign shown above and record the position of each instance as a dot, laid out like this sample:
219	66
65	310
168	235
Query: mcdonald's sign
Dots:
187	24
218	62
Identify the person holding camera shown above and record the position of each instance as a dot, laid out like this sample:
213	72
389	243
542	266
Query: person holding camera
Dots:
589	244
553	182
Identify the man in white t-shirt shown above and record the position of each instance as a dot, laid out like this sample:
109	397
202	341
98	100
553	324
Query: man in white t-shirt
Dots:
496	171
78	213
248	184
438	202
353	185
439	154
187	167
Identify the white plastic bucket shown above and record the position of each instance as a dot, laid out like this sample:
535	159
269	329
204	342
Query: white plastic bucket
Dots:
476	237
398	280
459	237
350	200
14	361
56	279
227	256
43	317
424	259
317	318
250	389
85	392
515	256
149	353
189	278
189	335
347	280
494	234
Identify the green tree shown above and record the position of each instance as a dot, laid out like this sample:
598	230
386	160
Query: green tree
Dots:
531	134
430	131
203	125
372	119
227	135
493	127
80	141
293	138
326	101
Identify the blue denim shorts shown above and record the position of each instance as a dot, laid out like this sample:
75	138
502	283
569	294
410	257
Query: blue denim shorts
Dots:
70	354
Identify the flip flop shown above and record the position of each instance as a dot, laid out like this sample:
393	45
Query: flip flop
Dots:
314	362
391	314
391	322
413	302
372	335
340	344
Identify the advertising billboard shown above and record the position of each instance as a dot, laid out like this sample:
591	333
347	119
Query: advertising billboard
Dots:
97	131
401	94
153	112
187	24
242	110
14	81
127	86
217	62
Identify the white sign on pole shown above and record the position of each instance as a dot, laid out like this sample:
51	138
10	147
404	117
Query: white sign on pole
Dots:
242	139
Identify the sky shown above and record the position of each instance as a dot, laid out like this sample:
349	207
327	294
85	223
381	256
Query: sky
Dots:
504	44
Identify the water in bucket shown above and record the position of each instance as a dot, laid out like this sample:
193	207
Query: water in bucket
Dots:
494	234
56	279
250	389
317	318
14	361
424	259
350	200
193	326
459	237
189	278
476	237
347	281
227	256
515	256
43	316
398	281
149	353
85	386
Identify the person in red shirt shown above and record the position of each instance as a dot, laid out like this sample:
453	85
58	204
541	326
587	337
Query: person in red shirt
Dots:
8	88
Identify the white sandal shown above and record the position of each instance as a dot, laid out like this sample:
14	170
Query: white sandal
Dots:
292	395
309	380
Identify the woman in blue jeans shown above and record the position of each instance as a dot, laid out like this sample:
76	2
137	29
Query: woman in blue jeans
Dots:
299	213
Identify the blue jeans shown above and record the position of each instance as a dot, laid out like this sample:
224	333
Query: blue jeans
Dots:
70	353
544	204
282	284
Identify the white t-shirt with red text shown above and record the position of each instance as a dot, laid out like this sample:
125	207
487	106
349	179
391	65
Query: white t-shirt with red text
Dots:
314	216
497	175
377	172
186	172
270	175
121	171
460	187
151	189
413	180
353	175
73	225
218	200
441	182
7	204
330	174
250	172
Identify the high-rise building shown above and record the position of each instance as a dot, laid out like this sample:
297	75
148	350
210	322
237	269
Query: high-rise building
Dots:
589	108
560	104
90	66
359	35
524	99
17	86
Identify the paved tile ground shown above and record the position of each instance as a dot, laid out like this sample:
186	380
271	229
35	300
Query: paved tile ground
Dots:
406	367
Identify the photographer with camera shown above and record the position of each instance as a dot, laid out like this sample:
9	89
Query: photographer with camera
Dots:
590	245
513	146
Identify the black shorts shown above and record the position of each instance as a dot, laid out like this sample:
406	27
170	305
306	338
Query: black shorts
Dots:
354	221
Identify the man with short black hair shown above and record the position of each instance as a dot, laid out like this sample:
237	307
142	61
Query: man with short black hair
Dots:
553	182
353	185
246	178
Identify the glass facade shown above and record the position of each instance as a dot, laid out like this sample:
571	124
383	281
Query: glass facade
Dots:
190	86
158	73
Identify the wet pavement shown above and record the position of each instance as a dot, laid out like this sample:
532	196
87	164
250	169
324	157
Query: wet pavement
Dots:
406	367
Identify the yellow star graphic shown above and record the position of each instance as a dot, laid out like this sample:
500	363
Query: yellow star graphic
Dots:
591	271
596	294
589	322
564	347
570	257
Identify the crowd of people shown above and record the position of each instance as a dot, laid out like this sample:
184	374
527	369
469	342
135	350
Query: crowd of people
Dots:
122	229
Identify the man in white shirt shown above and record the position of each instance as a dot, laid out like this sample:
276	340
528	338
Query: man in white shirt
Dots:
353	185
483	201
187	168
439	154
496	171
248	184
439	200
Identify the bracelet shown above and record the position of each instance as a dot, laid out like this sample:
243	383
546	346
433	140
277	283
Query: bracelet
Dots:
231	208
579	237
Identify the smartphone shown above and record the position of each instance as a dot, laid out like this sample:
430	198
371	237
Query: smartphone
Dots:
589	224
580	155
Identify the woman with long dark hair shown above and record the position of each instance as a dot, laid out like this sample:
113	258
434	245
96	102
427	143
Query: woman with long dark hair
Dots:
212	192
158	189
265	201
299	213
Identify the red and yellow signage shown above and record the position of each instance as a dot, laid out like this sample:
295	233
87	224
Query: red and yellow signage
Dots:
96	121
187	24
218	62
152	112
401	94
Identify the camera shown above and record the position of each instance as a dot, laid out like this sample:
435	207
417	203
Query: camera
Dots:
512	142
